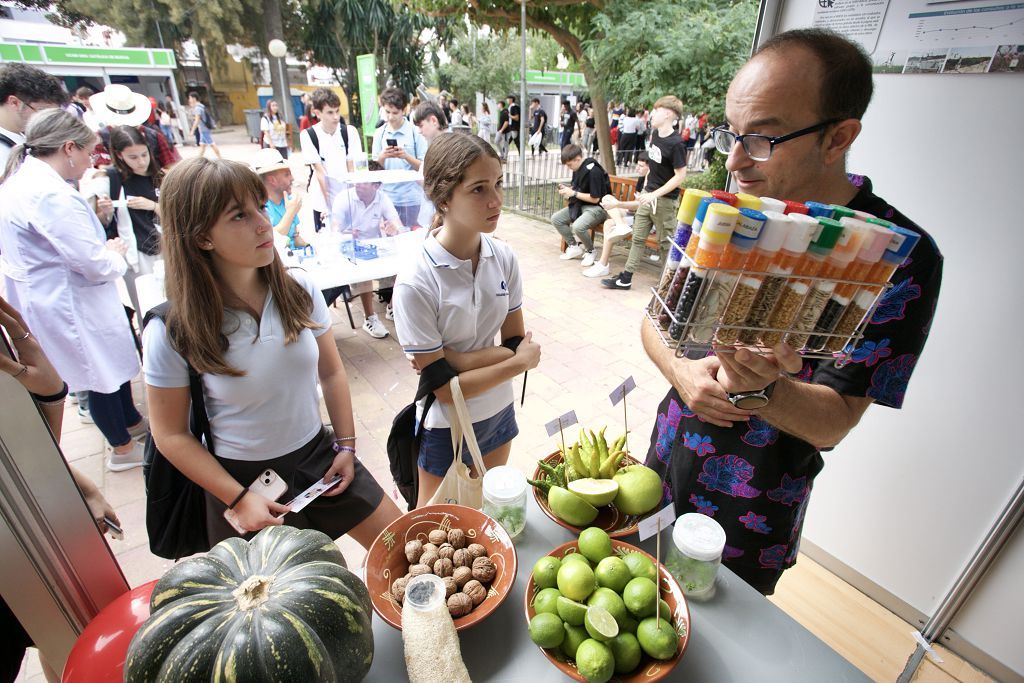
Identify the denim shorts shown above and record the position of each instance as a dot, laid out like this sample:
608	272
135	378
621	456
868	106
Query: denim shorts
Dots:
205	138
436	453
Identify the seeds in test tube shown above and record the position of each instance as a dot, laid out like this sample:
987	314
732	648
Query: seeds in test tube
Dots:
784	313
762	307
736	312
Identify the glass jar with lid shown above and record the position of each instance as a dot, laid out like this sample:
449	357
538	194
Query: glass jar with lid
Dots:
504	498
695	554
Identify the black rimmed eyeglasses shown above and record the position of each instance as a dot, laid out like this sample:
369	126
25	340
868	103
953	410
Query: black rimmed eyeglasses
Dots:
760	147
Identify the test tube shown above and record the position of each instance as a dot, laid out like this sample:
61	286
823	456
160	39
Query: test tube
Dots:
902	243
715	233
676	285
727	197
796	290
773	235
684	217
872	248
744	237
841	212
747	201
819	210
788	257
794	207
847	247
772	204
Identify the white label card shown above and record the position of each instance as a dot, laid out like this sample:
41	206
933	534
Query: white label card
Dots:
620	391
666	517
563	422
312	493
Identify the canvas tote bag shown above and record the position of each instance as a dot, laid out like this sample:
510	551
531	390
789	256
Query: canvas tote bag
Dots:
458	486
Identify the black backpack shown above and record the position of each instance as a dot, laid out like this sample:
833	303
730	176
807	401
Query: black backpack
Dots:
315	139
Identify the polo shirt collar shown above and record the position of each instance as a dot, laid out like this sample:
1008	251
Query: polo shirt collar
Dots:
441	258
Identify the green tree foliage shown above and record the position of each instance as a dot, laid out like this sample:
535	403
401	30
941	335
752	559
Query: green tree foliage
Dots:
688	48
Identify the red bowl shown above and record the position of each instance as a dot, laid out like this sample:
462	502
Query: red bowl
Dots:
650	669
608	517
386	559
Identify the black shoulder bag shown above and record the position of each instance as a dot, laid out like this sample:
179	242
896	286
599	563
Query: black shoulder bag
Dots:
404	439
176	505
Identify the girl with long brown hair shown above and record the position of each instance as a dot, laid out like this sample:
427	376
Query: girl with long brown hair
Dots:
260	337
452	301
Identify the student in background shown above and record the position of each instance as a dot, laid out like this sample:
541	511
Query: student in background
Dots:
282	203
24	91
202	123
329	147
398	145
274	130
619	223
589	184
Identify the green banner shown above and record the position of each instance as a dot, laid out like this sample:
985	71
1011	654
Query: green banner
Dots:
366	71
566	78
94	56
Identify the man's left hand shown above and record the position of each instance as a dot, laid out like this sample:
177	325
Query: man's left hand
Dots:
748	370
565	191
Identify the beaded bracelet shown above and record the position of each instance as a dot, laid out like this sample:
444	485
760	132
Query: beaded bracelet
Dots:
344	438
52	399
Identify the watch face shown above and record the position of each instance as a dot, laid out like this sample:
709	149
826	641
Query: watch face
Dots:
751	401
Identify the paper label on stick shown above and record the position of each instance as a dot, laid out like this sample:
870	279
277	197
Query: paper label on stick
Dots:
309	495
620	391
666	517
563	422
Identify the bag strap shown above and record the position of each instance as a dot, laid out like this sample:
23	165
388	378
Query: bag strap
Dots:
200	421
432	378
462	427
7	141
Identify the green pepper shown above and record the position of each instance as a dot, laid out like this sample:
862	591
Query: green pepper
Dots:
574	460
542	484
546	468
595	457
558	478
611	464
619	443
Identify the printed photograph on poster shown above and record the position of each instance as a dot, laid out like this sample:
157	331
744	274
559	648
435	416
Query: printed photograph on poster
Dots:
925	62
889	61
968	60
1008	59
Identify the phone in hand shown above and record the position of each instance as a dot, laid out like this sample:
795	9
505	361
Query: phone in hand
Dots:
392	142
115	531
269	485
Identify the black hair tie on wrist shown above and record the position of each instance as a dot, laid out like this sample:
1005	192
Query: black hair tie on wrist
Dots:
238	498
52	398
512	343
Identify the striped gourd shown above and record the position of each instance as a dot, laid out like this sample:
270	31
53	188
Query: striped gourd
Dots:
281	607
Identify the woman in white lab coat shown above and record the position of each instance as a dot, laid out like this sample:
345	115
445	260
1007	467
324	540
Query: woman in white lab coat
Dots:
60	271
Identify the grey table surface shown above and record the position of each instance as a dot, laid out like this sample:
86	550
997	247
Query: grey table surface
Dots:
736	636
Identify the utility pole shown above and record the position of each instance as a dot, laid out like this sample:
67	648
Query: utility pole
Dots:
522	103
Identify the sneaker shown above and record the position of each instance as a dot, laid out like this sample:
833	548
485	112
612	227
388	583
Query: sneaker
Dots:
119	462
654	258
73	398
140	430
588	258
389	312
596	270
571	252
618	231
375	328
84	415
620	281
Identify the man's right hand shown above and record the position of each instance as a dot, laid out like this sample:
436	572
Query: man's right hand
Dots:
254	512
695	381
294	202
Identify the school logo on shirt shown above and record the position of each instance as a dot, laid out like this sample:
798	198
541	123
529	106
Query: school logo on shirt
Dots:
504	290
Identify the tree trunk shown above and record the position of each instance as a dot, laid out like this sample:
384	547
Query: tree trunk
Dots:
274	28
600	110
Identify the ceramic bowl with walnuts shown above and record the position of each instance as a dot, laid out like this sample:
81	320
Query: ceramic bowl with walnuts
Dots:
475	558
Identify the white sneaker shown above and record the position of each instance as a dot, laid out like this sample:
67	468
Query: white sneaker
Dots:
375	328
84	415
140	430
571	252
119	462
389	312
588	258
596	270
619	231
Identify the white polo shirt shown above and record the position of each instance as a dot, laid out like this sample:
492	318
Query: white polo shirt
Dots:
349	214
274	408
440	303
333	157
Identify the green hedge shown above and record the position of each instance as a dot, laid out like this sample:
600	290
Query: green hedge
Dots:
712	179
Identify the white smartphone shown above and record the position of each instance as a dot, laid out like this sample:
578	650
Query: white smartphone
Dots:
269	485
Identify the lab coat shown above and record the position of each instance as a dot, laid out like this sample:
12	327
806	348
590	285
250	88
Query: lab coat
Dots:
60	275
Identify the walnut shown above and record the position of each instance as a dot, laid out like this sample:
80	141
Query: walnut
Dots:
457	537
476	591
418	569
446	551
477	550
462	576
437	536
413	550
450	587
429	558
398	589
484	569
459	605
443	567
429	547
462	558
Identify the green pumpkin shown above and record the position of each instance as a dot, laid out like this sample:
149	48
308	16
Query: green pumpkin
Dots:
281	607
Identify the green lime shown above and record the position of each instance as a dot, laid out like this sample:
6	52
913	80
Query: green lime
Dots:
569	507
628	624
595	544
641	597
571	611
640	565
612	572
545	571
611	601
626	651
546	600
664	610
576	557
574	635
594	661
576	580
657	637
546	630
601	625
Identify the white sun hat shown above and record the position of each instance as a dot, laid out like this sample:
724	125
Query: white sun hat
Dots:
118	105
268	160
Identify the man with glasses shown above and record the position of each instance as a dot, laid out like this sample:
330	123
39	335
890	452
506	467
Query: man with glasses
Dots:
24	90
738	435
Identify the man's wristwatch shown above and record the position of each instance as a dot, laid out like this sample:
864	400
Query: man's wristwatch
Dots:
752	400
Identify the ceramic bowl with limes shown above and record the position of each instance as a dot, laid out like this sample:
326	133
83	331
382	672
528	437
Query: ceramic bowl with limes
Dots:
648	668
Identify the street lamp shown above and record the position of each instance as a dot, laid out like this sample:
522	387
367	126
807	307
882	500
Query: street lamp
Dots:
278	49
